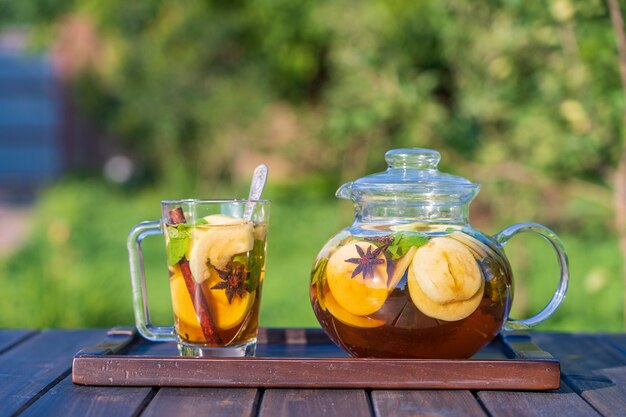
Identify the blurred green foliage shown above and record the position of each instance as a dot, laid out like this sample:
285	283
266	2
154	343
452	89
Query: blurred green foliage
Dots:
73	272
534	82
523	97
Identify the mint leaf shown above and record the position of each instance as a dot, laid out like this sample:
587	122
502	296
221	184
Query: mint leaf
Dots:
396	251
402	242
242	258
255	262
178	231
172	232
178	240
201	220
176	249
179	235
413	240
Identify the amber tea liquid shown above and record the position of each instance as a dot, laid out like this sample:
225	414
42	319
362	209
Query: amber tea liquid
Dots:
424	294
224	260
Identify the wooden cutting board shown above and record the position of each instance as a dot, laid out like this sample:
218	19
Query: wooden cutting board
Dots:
306	358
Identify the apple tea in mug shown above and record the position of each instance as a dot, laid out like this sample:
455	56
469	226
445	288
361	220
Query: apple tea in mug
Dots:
216	253
225	257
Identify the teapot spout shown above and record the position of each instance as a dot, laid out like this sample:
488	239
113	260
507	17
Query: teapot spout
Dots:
345	191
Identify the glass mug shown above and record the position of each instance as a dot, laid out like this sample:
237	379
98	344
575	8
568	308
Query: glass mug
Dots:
216	251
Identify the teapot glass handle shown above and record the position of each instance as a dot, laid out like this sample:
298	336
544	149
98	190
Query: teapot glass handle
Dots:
502	238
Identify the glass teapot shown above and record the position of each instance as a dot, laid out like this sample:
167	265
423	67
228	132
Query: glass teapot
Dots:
411	278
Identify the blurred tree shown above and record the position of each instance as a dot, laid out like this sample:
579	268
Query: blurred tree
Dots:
529	90
620	175
523	97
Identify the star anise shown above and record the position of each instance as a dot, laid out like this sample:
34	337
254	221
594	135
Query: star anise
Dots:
367	261
234	280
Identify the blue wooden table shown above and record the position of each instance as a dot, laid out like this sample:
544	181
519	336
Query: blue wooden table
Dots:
36	368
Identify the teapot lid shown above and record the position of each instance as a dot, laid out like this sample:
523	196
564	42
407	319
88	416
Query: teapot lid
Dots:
412	175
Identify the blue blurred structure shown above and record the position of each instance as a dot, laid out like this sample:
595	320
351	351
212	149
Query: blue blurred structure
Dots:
30	122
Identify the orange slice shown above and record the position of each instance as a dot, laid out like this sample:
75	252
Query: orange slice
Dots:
358	295
188	325
226	315
348	318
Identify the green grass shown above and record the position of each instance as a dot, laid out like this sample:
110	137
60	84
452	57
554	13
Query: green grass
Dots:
73	270
595	297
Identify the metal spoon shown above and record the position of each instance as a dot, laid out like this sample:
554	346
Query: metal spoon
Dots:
259	177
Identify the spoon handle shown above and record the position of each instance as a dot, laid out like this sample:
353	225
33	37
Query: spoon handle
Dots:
259	177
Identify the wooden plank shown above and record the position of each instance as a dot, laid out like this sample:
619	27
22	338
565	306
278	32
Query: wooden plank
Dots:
293	336
315	373
520	345
148	364
314	403
426	403
40	362
272	343
617	374
618	341
580	356
117	340
563	402
593	367
531	403
11	338
67	399
610	401
193	402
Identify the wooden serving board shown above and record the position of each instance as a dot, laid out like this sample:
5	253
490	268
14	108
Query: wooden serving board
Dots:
306	358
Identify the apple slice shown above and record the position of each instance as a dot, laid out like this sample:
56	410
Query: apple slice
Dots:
452	311
446	270
216	243
401	266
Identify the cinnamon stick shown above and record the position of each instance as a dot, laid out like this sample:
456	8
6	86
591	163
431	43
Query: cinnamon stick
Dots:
195	292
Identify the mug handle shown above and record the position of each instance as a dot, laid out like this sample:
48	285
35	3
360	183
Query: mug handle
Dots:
502	238
138	281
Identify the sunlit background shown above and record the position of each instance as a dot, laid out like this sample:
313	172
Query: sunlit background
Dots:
107	107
